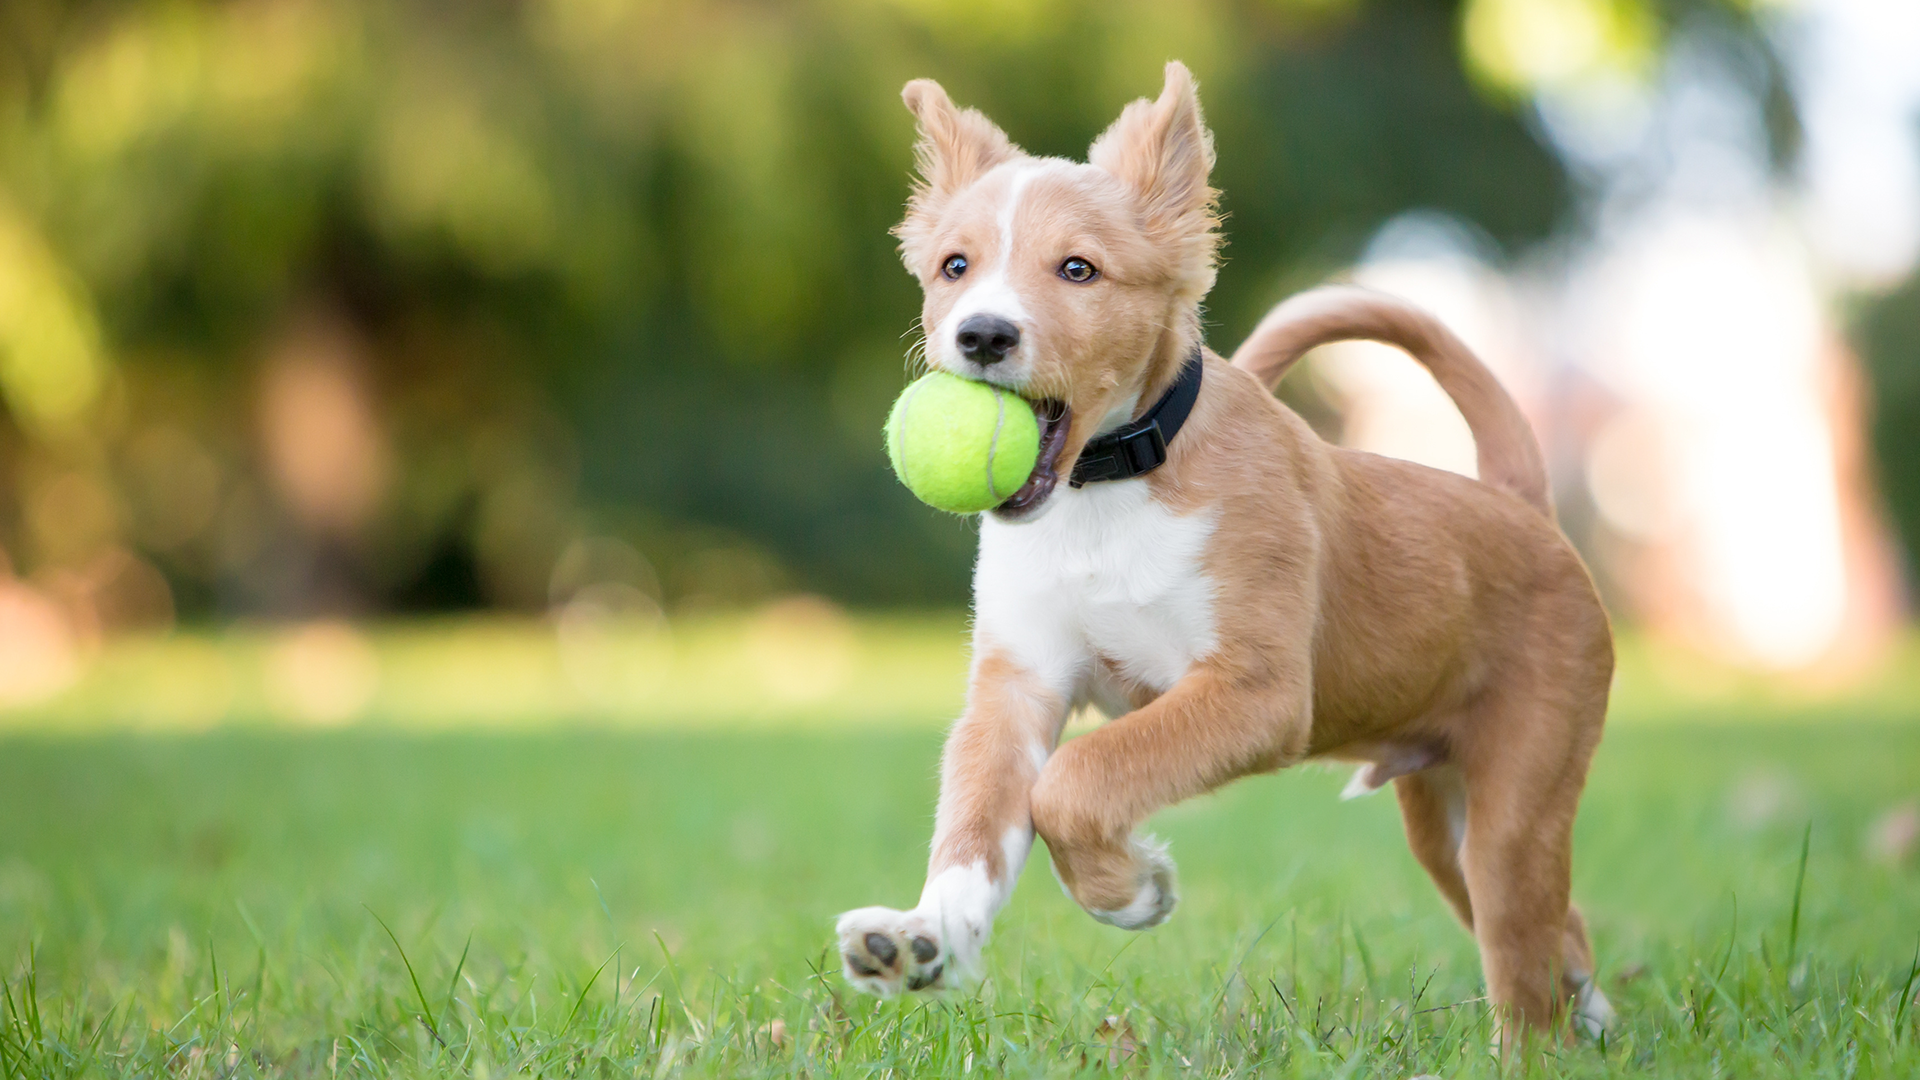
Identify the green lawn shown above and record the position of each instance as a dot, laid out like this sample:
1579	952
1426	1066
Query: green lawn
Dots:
658	901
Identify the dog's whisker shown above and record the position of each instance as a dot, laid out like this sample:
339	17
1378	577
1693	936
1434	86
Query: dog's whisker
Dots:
916	359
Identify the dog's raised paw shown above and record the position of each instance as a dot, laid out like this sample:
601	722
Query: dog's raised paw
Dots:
886	952
1157	894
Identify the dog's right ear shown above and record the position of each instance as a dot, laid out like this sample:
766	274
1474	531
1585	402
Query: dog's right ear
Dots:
957	146
1163	151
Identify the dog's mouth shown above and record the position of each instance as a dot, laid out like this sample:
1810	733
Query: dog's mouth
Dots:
1054	417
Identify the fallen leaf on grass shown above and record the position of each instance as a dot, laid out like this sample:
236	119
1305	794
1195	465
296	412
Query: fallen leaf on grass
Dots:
1116	1036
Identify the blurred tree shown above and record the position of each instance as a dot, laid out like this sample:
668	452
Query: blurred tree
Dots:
604	266
1889	338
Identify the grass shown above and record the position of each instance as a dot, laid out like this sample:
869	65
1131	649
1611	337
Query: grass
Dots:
656	900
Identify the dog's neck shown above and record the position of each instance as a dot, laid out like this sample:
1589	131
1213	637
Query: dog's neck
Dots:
1169	359
1138	448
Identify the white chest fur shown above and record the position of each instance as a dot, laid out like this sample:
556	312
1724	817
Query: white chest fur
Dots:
1107	573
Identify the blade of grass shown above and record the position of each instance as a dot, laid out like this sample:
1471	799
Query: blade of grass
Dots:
673	976
453	984
1906	996
426	1010
1799	884
1733	936
617	966
7	1023
30	998
673	973
92	1046
1233	972
583	992
1366	956
223	1014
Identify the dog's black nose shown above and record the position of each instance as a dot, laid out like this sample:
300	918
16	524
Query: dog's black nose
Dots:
986	339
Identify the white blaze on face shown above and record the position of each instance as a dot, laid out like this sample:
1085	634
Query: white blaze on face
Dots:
989	286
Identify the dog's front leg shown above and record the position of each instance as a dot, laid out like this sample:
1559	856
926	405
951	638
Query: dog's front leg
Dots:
1210	727
982	833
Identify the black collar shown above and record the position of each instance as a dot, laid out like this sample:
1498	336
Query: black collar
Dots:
1141	447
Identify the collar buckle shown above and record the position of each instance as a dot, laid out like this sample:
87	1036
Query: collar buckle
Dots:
1141	447
1123	456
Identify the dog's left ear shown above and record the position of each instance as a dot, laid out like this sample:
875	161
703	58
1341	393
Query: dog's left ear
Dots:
1163	151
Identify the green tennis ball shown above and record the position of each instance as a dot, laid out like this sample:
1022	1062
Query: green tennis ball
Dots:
959	445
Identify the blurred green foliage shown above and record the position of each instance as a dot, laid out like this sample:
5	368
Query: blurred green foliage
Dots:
1889	339
608	267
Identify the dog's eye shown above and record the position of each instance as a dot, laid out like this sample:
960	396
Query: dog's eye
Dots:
1078	270
953	267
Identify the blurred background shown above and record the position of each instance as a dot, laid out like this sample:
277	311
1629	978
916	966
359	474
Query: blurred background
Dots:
519	358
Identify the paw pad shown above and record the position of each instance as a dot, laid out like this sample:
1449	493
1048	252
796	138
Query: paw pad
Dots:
883	949
885	952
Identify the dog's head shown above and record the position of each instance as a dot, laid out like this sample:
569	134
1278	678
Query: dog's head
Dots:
1077	286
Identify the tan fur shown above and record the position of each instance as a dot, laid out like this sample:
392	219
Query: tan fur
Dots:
1163	152
989	762
1508	455
1366	608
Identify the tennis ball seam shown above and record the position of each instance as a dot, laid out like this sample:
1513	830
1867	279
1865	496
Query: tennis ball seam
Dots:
894	434
993	444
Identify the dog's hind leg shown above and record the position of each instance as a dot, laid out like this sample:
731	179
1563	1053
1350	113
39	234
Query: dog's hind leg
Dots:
1592	1012
1523	752
982	834
1433	803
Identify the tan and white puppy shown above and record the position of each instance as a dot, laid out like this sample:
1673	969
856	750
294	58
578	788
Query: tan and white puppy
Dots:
1261	599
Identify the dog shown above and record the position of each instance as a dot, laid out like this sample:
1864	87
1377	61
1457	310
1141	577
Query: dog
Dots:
1242	596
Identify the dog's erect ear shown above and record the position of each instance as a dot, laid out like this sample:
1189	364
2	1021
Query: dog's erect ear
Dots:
957	146
1164	152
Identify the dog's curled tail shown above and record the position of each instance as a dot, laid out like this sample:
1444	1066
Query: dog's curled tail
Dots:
1509	455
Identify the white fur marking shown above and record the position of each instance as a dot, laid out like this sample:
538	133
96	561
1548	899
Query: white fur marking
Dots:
962	900
1156	896
1120	413
1103	571
1446	779
1105	692
1014	847
955	911
993	292
1037	753
1016	188
1139	911
1360	784
1592	1010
